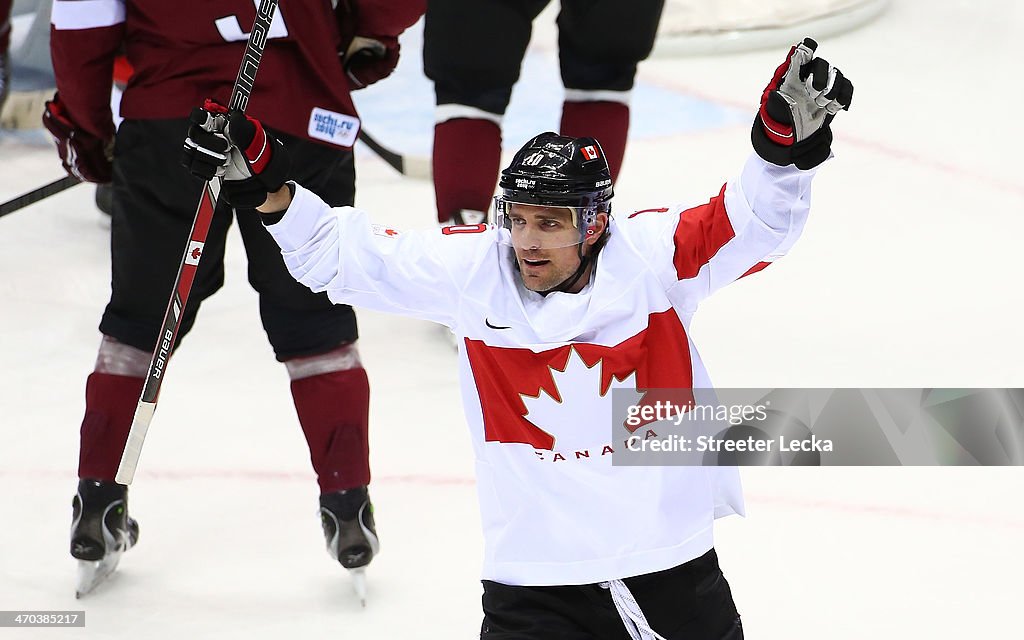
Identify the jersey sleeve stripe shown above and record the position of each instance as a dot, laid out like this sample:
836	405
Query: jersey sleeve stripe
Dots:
701	232
636	213
754	269
87	14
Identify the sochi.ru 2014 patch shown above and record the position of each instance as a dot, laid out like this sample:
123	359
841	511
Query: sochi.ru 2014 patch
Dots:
333	127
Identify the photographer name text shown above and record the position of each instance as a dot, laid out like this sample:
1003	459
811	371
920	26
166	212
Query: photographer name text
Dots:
712	444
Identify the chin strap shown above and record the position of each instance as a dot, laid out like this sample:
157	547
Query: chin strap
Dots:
585	261
574	278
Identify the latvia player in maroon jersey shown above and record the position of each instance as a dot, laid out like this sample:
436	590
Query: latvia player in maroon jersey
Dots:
473	50
554	306
182	52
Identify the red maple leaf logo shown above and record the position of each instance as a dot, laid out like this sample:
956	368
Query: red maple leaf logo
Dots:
659	354
196	253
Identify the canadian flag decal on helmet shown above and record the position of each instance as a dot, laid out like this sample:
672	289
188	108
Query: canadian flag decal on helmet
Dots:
590	152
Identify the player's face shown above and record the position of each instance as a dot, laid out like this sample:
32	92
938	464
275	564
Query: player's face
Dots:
546	243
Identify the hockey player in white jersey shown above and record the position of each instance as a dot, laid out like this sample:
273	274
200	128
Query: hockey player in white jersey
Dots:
574	546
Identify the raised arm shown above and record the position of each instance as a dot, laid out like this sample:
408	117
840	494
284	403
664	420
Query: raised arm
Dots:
757	216
336	250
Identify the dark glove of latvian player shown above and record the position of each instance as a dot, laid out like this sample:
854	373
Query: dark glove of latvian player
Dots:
83	155
797	107
369	59
229	143
365	56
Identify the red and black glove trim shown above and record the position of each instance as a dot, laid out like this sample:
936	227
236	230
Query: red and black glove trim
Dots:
773	135
773	112
267	157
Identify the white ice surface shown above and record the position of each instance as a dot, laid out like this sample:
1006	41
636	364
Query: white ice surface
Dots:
908	275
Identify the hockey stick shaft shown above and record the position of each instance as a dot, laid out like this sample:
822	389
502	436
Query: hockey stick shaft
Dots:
190	260
36	195
409	166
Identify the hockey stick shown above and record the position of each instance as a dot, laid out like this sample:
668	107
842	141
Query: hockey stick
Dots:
190	260
409	166
36	195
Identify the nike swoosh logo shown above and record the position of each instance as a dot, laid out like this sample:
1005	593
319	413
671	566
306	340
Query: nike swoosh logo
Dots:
488	323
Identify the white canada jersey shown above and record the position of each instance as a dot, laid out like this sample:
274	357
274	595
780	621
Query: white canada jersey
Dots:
536	370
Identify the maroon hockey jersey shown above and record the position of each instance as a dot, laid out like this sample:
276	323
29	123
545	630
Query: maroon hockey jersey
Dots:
188	50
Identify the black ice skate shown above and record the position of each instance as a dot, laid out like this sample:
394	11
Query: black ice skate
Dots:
100	531
347	519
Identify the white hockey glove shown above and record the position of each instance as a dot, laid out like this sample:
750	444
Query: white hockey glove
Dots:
797	107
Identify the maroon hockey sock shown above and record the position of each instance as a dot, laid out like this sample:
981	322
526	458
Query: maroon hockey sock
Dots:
333	410
606	121
110	403
467	158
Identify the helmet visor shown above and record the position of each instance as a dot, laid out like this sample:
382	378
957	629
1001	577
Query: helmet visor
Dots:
532	227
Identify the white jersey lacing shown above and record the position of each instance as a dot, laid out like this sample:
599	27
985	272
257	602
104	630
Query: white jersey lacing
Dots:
633	617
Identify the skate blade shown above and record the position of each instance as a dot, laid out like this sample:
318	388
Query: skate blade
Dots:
92	573
359	584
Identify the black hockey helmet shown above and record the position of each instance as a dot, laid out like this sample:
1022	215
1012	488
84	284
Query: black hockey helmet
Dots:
557	171
561	171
